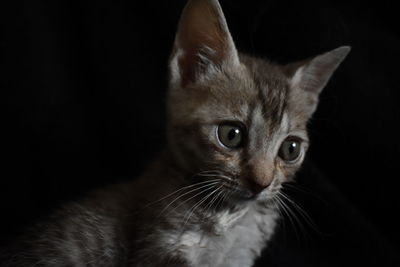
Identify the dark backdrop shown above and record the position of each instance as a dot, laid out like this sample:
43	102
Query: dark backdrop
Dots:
83	84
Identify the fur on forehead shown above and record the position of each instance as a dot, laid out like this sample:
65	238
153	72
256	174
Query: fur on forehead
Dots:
234	92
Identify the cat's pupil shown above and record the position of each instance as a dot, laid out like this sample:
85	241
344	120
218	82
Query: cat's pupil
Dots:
292	147
232	133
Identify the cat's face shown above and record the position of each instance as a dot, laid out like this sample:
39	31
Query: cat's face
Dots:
234	119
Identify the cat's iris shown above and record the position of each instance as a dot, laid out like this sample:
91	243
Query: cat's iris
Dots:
290	150
230	135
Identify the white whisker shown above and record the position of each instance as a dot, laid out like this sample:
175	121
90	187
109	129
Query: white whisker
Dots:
198	204
191	191
302	212
209	205
289	214
179	190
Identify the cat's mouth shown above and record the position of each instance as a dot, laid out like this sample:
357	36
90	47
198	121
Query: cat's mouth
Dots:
228	183
238	192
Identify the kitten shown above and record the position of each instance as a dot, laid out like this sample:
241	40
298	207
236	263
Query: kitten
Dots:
236	131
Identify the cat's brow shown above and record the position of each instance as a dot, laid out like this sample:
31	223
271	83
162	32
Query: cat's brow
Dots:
273	100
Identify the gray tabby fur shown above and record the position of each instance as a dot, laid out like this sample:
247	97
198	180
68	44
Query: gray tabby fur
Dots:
180	212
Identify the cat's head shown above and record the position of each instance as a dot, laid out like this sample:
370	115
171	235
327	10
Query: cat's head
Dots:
236	119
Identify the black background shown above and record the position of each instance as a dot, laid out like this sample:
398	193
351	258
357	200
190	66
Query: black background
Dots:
83	84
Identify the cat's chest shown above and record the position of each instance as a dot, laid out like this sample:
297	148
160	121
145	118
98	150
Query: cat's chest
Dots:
234	240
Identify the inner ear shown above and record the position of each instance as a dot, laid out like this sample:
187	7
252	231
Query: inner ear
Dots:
309	77
203	42
313	74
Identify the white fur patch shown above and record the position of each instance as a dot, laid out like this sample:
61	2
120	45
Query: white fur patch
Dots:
297	78
236	240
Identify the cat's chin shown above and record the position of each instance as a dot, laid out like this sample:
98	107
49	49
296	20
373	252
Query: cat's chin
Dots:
241	194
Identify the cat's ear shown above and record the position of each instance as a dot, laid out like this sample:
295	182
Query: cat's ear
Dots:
309	77
203	43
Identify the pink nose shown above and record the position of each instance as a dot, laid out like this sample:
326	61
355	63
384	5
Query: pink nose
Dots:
255	186
260	173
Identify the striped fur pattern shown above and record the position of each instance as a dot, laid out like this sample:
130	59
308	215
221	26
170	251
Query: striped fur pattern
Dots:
197	203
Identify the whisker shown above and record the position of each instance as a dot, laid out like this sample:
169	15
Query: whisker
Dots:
302	212
179	190
289	215
186	200
209	205
226	196
191	191
278	209
221	199
198	204
301	189
224	177
216	173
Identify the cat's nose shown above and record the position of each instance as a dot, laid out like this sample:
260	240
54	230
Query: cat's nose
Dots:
255	186
260	174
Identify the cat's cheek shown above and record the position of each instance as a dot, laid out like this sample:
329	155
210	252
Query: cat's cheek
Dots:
286	172
225	161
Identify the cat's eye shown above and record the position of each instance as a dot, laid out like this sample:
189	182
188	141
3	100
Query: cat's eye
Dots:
290	149
230	135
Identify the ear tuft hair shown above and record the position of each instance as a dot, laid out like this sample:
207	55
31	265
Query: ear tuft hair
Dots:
309	77
313	74
202	44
